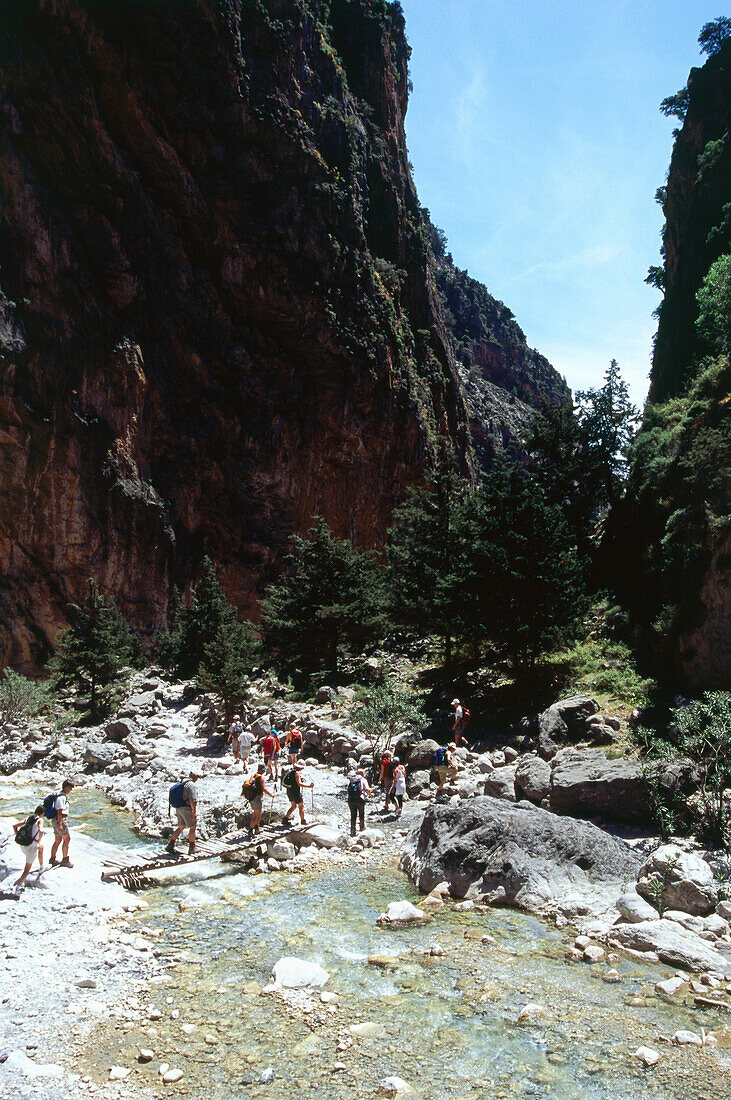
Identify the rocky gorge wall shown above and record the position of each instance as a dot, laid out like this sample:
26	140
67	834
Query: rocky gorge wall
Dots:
213	267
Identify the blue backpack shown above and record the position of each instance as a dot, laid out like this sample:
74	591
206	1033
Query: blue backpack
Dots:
49	805
175	798
440	757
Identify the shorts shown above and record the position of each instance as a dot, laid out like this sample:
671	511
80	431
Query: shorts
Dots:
235	744
256	805
30	851
442	771
185	816
296	799
58	831
245	756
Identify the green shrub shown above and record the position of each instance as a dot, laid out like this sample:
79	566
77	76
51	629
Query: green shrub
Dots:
20	697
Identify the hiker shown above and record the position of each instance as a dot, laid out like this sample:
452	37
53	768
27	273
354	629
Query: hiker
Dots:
184	799
270	749
294	743
398	788
247	740
387	772
292	783
254	789
29	835
461	718
445	765
384	776
358	791
60	817
234	734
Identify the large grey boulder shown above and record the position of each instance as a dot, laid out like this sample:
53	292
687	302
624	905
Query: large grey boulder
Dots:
101	755
261	727
416	782
633	909
501	783
672	943
518	855
533	777
420	754
678	880
119	728
584	783
563	721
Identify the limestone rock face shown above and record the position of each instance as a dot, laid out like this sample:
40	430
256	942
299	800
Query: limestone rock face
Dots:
217	317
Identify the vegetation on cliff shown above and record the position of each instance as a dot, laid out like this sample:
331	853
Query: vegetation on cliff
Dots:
671	533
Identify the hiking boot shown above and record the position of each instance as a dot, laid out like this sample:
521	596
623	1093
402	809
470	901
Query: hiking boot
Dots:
66	863
54	862
303	821
191	849
171	848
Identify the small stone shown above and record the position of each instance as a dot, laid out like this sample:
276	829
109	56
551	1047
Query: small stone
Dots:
327	996
464	906
395	1088
436	949
612	975
118	1073
145	1055
581	942
646	1055
365	1030
530	1013
488	939
593	953
211	1040
187	1029
154	1014
687	1038
172	1075
670	986
267	1076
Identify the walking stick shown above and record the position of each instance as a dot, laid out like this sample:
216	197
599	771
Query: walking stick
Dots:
270	811
312	792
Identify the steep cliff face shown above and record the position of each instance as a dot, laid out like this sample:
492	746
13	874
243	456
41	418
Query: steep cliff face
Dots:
214	266
673	530
504	381
697	209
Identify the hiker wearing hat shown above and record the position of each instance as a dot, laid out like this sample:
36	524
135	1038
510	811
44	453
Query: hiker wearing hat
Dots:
29	835
61	834
292	783
254	789
358	791
187	814
270	750
460	721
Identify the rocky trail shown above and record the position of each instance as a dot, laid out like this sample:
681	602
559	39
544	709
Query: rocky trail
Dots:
76	955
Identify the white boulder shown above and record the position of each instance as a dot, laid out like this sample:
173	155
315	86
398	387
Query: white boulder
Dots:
291	973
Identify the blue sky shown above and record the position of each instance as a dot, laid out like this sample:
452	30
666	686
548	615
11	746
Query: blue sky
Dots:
537	145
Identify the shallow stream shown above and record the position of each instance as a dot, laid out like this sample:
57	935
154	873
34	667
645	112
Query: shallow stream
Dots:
446	1024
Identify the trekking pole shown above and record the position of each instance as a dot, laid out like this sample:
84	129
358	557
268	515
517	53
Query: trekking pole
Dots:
270	811
312	792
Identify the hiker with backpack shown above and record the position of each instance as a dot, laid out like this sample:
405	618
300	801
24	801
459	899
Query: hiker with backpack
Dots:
398	788
254	790
183	798
444	765
292	783
270	750
461	718
384	777
56	807
29	835
358	791
234	733
294	745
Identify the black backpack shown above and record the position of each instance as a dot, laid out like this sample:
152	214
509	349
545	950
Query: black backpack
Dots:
290	784
24	835
355	789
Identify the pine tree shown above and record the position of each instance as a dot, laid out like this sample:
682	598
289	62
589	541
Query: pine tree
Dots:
531	594
608	421
94	650
203	621
426	559
330	600
228	662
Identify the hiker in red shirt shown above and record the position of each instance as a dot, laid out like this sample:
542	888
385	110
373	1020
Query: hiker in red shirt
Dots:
270	749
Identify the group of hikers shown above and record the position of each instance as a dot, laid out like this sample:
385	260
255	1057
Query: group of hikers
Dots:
183	796
29	833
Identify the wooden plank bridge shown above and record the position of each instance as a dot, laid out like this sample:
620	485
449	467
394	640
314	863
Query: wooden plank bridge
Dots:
142	872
